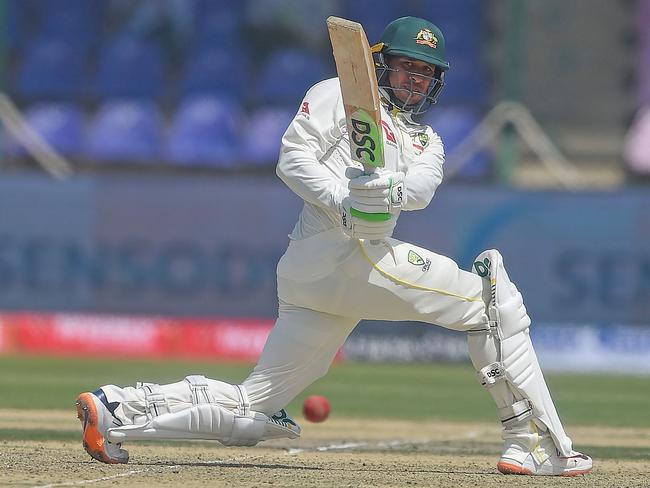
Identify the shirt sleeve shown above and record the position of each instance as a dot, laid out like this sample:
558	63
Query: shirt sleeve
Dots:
315	129
424	173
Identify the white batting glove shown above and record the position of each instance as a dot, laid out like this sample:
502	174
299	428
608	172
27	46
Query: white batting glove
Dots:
365	226
379	192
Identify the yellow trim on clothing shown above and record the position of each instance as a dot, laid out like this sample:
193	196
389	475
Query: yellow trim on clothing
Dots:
414	285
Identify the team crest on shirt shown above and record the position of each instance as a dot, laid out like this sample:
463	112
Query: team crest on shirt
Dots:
416	260
420	141
426	37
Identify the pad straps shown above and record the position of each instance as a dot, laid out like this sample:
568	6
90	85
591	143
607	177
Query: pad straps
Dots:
244	404
199	389
155	401
515	413
201	394
511	414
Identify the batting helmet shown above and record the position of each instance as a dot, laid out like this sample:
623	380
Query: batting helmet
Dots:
418	39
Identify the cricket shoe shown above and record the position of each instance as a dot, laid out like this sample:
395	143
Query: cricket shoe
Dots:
93	410
544	460
280	425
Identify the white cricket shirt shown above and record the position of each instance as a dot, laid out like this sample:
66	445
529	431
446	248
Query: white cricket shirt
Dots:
315	154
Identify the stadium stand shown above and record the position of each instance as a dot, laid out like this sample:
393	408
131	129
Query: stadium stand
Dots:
130	68
76	21
205	131
50	69
16	32
375	19
453	124
204	72
61	125
127	86
265	128
126	131
287	74
219	23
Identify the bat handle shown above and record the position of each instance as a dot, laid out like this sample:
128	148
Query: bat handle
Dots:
377	217
368	170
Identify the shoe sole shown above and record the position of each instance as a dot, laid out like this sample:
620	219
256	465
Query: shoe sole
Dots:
93	440
577	472
507	468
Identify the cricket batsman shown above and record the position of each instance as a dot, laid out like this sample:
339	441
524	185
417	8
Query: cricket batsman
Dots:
341	267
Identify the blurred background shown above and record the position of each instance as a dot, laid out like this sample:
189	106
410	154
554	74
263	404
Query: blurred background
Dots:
140	214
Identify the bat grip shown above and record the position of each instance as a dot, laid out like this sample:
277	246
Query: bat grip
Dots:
380	217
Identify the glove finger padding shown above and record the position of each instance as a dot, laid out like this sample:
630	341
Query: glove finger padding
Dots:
360	228
374	181
364	229
379	192
371	204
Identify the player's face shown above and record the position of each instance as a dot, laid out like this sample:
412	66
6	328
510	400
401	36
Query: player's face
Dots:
410	79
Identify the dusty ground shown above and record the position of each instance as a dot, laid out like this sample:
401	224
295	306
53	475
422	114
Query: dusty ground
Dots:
333	454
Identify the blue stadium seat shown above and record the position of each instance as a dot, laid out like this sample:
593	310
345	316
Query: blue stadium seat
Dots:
16	31
462	21
73	20
61	125
51	68
453	125
267	126
466	82
462	41
219	23
445	9
287	74
130	68
205	132
126	131
375	15
215	70
207	8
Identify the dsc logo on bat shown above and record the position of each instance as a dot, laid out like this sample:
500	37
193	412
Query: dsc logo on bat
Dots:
365	139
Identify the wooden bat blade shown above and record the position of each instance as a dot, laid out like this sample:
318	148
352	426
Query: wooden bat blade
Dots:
356	72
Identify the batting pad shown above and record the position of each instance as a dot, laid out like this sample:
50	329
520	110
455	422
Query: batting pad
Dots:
505	358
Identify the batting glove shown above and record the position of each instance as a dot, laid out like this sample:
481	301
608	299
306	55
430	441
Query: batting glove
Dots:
379	192
361	225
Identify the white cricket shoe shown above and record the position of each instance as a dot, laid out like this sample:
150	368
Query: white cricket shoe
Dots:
544	460
96	418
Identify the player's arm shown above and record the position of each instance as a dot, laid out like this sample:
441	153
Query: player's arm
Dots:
424	173
413	189
306	140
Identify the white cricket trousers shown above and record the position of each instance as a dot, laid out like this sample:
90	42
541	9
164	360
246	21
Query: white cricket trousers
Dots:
328	283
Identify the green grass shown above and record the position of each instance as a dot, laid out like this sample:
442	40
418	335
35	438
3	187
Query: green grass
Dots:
402	391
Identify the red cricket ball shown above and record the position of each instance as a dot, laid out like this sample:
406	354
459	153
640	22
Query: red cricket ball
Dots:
316	408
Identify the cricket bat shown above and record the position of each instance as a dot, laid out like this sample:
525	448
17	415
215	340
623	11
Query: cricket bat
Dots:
356	71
